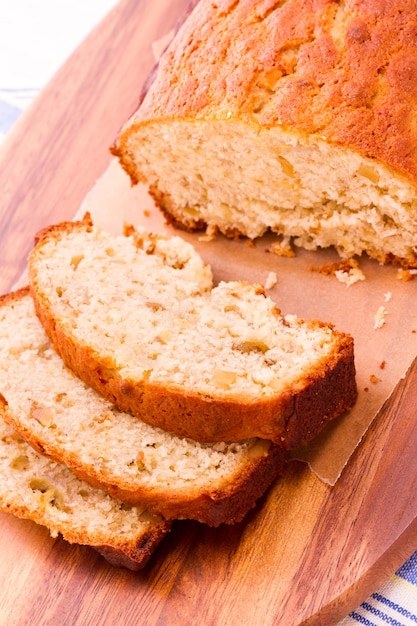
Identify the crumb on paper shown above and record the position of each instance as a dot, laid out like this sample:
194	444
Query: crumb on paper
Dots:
404	274
282	248
271	280
382	365
379	317
351	277
250	243
347	271
388	296
146	212
374	379
210	234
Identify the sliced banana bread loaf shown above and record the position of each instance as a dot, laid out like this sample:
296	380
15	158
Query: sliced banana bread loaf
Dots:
223	364
137	463
295	116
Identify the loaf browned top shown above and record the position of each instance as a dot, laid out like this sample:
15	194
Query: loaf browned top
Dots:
344	71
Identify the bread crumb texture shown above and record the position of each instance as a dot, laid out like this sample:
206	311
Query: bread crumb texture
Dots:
293	116
271	280
380	317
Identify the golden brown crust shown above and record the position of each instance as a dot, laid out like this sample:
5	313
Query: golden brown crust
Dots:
293	67
14	296
151	77
135	556
131	556
163	201
85	223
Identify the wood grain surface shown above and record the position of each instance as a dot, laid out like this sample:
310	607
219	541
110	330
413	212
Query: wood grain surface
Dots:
309	553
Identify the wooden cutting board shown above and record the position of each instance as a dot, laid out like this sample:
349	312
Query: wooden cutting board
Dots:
309	553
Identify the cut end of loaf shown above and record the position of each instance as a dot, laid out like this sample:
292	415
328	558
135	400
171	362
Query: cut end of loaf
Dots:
240	178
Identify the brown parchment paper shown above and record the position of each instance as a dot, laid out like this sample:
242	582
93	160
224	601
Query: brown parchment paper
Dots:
383	355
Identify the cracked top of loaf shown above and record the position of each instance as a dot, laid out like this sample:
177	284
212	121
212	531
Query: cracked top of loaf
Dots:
344	71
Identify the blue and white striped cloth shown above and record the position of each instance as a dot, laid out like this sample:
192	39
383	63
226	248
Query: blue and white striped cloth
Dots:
36	37
395	603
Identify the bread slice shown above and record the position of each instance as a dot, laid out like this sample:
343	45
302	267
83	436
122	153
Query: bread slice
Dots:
141	465
214	365
36	488
291	116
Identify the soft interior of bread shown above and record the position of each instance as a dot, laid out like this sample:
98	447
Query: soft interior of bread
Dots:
64	414
247	178
127	305
35	487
